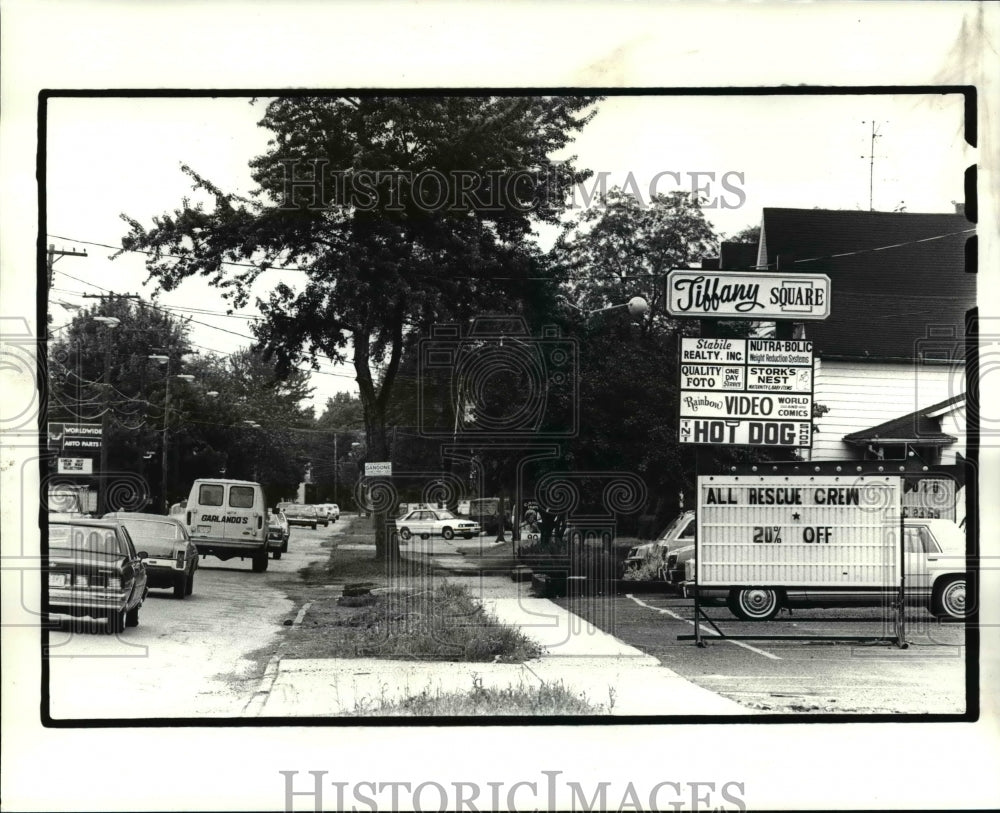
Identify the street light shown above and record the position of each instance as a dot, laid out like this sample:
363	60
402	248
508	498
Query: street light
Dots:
637	306
110	323
165	463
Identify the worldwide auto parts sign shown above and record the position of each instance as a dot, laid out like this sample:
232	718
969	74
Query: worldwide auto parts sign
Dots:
751	392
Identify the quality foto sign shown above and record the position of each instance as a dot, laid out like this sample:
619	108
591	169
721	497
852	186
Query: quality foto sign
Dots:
748	295
748	392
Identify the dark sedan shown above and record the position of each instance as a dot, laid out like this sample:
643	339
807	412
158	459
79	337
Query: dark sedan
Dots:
94	570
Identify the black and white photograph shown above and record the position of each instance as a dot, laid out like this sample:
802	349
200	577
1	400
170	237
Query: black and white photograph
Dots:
612	433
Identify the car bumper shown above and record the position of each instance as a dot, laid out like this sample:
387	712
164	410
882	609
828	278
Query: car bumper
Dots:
165	571
72	601
233	547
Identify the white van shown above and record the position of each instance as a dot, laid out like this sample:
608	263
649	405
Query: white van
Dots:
228	518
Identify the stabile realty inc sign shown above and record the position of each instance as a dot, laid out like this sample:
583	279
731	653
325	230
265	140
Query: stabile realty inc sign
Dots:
751	392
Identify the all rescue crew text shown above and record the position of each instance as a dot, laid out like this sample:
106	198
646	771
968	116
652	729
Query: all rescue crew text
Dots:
783	496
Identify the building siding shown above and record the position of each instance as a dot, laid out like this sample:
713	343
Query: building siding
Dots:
863	394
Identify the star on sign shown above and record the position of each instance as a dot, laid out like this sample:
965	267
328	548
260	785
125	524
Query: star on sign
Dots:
796	515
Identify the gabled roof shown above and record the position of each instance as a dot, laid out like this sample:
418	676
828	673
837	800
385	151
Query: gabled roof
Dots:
893	275
921	427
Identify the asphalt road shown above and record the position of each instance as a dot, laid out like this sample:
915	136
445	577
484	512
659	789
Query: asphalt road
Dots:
200	656
796	676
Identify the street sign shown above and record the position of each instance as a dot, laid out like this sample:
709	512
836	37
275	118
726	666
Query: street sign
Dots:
75	437
761	295
381	469
753	392
75	465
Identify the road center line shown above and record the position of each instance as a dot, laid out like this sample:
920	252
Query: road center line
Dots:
708	633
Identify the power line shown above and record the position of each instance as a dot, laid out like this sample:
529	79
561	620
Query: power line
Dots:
174	256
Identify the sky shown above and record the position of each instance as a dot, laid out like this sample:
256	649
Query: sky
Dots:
108	156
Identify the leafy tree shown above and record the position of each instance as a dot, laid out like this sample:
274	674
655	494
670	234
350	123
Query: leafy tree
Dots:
751	234
343	411
130	404
622	249
382	257
216	437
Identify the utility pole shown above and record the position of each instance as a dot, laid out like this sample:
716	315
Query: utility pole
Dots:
53	253
109	322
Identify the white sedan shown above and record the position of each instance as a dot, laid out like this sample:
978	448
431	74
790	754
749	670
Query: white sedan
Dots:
426	522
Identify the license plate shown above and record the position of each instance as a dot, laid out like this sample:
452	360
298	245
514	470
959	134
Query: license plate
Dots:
58	580
204	529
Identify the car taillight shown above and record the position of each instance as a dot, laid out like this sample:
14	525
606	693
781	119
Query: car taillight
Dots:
114	583
180	559
81	580
188	518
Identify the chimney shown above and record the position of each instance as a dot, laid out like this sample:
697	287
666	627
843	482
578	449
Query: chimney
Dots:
959	207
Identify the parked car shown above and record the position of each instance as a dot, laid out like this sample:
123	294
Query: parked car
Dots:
298	514
334	511
427	522
277	533
322	514
172	556
94	570
934	569
664	558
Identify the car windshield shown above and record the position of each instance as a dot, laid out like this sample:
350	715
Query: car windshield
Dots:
83	540
142	530
674	526
445	515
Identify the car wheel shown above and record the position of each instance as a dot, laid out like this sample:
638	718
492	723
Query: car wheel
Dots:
276	554
447	533
132	617
116	622
754	603
467	536
189	584
404	534
260	562
950	599
312	526
180	586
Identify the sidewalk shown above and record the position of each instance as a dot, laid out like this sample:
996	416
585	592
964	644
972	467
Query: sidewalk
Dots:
616	677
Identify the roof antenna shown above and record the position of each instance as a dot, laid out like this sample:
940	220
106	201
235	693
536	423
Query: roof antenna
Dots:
871	165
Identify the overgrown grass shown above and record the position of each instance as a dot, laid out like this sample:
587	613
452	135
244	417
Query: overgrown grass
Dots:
546	699
437	622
